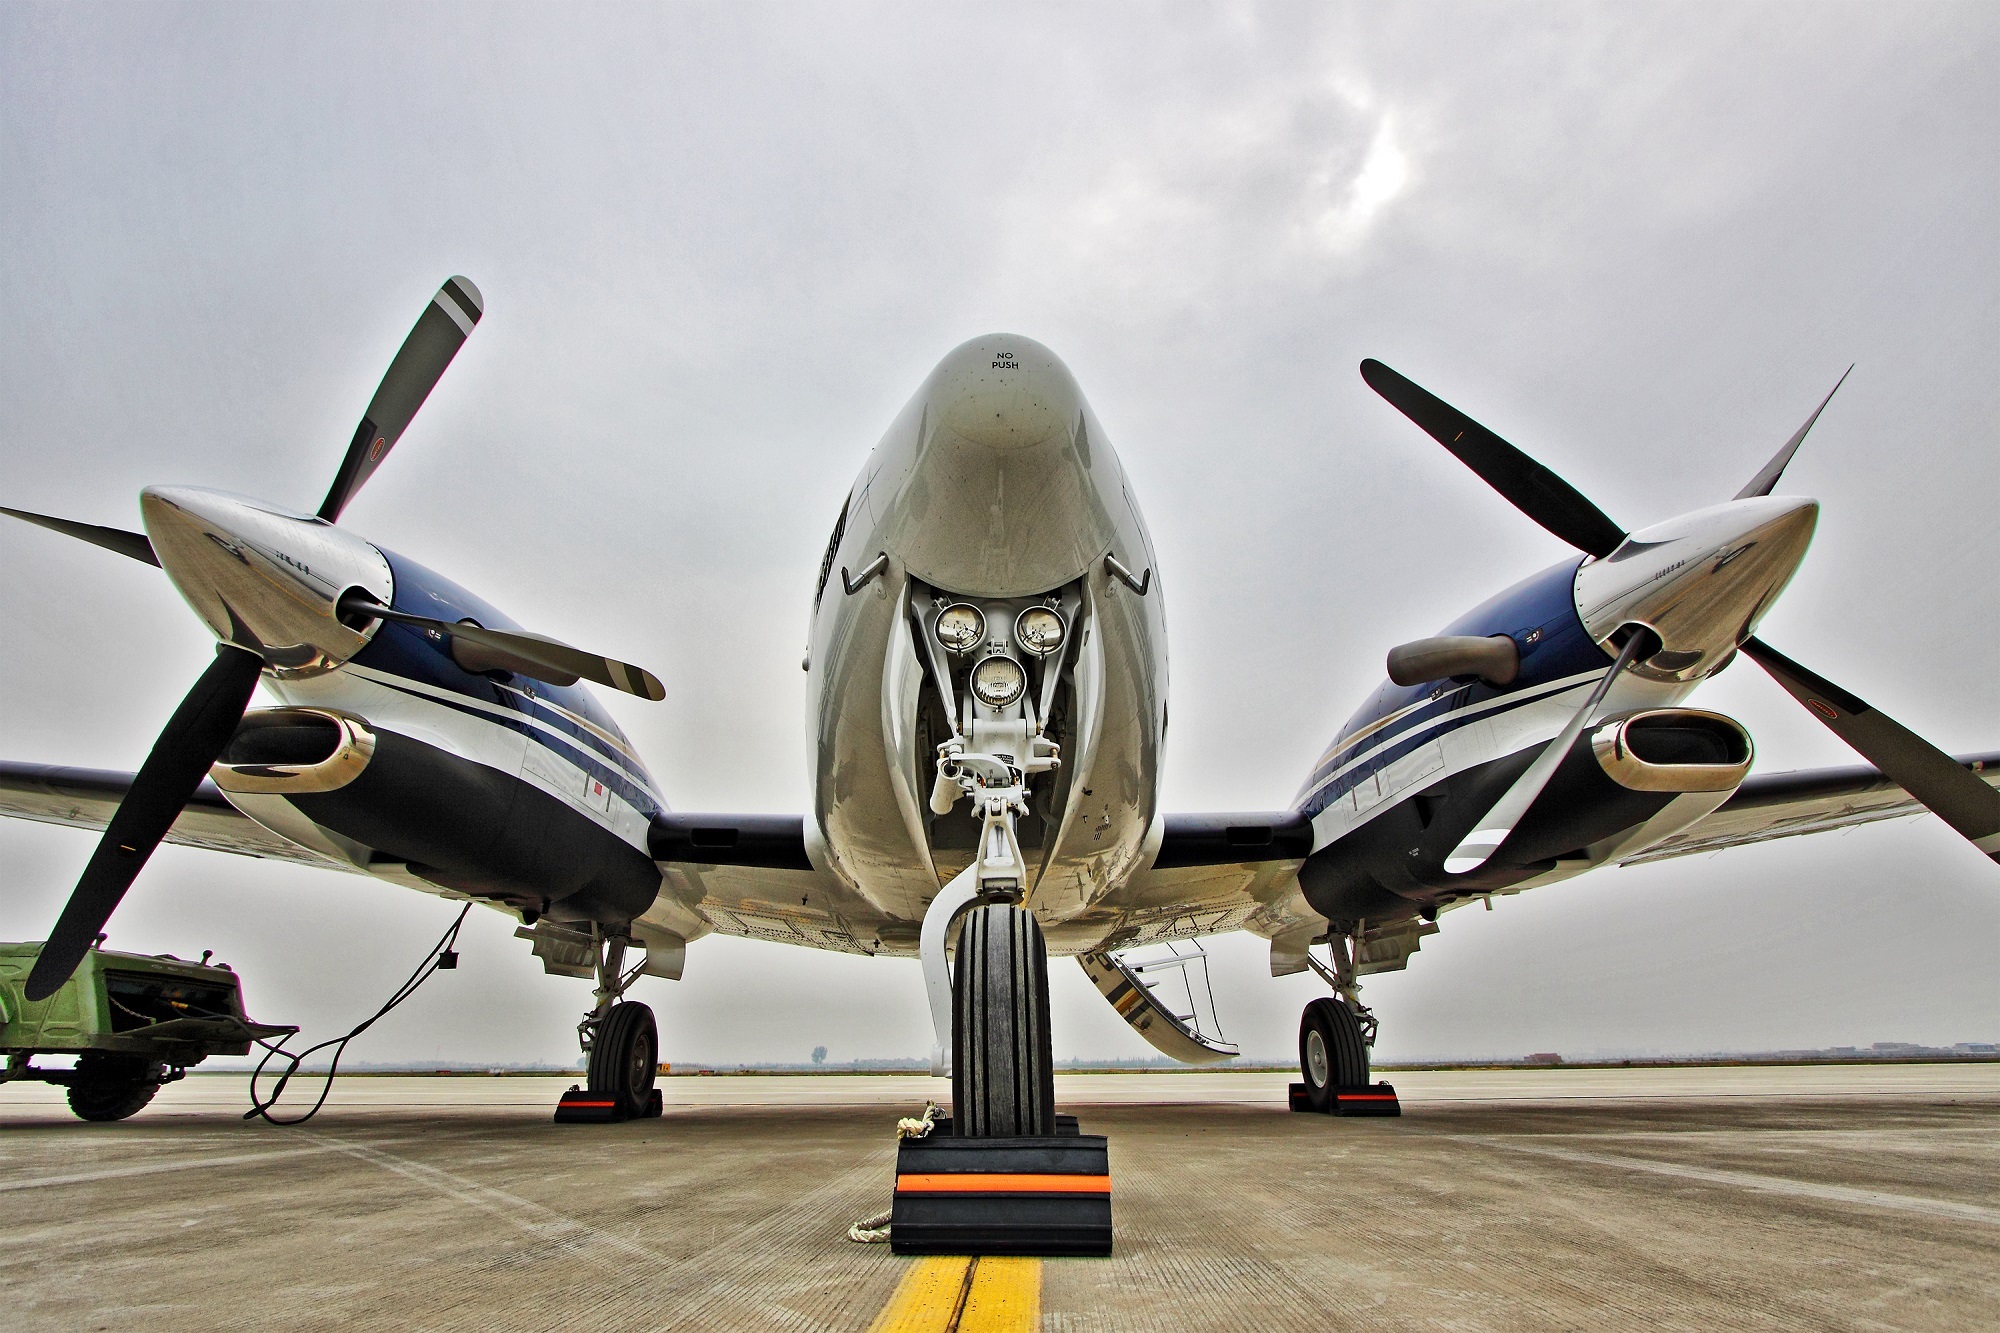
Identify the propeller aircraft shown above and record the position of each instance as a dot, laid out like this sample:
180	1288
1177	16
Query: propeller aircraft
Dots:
986	685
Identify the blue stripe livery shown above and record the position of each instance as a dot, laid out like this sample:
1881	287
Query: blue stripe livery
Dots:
1538	614
422	656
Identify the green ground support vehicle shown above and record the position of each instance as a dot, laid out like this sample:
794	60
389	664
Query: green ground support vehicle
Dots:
133	1022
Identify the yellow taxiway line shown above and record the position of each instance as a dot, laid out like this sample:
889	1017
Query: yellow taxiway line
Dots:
950	1293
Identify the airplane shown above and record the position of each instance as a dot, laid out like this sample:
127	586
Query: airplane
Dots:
987	714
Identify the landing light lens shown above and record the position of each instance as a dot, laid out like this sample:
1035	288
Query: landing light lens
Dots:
1039	631
961	627
998	681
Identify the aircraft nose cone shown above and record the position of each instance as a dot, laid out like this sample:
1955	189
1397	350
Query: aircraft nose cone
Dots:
996	480
1005	393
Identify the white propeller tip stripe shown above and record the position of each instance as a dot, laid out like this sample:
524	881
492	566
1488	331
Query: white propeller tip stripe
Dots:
444	302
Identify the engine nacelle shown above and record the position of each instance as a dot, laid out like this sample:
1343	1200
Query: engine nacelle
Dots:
368	794
1625	785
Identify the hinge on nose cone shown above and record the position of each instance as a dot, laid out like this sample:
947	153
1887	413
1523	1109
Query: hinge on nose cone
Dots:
1116	568
868	571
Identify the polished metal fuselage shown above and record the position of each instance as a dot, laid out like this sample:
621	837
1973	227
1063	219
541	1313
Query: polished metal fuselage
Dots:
995	482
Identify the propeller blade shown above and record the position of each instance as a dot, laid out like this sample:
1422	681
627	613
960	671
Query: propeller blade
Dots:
1955	794
1526	484
193	739
1762	483
440	331
530	655
111	539
1478	846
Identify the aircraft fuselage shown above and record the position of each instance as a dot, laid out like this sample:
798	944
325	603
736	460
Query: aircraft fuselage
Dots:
995	488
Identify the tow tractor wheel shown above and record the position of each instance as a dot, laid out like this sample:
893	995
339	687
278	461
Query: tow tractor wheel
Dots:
1003	1066
111	1087
625	1057
1331	1051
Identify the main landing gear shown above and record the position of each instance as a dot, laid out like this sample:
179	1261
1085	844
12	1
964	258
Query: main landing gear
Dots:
1335	1035
622	1043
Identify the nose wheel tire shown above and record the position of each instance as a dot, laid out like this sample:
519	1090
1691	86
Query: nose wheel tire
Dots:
1332	1053
625	1057
1003	1066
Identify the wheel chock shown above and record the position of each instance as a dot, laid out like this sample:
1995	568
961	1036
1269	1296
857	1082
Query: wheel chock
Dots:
578	1107
1366	1099
1049	1197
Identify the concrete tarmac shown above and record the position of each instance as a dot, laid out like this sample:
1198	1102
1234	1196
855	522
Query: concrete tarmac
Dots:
1819	1197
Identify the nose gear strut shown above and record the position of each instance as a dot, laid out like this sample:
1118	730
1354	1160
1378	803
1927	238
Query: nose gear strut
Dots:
998	873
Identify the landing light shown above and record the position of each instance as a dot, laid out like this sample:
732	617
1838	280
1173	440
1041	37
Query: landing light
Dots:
1039	630
998	681
960	628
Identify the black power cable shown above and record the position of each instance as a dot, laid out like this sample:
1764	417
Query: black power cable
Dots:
440	958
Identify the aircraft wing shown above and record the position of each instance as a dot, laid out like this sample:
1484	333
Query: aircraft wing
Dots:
751	878
749	873
1785	805
1213	873
86	797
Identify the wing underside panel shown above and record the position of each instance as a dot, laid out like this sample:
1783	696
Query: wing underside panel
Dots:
1789	805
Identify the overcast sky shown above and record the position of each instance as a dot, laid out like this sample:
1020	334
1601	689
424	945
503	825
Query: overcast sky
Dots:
721	245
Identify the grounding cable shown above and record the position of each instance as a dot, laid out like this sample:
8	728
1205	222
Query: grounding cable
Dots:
440	958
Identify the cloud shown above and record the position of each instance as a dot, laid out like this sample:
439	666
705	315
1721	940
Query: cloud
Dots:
1288	185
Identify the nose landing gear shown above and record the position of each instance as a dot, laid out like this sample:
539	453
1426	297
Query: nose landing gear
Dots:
1003	1177
1003	1075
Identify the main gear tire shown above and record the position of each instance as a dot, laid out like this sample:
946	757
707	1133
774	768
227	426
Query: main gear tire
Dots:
1003	1065
112	1087
625	1058
1332	1052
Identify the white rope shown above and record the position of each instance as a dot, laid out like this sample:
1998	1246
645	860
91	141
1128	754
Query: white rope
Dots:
870	1230
873	1230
